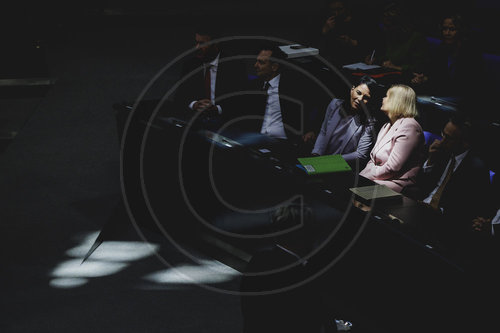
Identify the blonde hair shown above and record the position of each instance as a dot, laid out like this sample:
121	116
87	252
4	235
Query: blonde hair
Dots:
402	102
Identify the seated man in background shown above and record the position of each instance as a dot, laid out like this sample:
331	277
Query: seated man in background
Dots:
281	101
453	181
399	46
209	75
340	34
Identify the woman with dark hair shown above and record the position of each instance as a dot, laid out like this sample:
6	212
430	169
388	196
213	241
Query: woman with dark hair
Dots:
348	127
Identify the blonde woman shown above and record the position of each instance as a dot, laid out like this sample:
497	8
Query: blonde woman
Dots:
397	154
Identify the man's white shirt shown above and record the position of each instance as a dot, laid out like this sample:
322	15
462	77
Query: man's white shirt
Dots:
273	120
213	66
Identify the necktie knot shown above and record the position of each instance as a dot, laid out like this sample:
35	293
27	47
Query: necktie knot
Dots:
266	86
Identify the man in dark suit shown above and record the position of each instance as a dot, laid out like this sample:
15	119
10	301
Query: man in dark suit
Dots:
455	182
208	77
281	101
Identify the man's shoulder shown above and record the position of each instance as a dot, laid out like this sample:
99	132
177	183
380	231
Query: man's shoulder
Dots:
475	160
294	84
255	84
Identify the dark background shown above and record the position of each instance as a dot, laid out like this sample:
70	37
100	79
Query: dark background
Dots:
59	164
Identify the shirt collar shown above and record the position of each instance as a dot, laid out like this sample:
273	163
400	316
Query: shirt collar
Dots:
459	158
215	62
275	81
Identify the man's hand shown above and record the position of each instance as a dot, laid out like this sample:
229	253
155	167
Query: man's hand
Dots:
481	224
309	137
348	40
329	24
202	105
389	64
369	60
435	149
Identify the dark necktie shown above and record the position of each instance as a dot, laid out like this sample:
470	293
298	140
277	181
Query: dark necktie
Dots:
265	88
437	196
208	82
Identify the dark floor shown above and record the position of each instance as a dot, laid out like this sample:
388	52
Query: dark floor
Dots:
59	183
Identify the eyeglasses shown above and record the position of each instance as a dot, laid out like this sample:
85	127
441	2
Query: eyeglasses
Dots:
448	137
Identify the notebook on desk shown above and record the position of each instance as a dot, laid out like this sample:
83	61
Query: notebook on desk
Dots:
360	66
375	192
324	164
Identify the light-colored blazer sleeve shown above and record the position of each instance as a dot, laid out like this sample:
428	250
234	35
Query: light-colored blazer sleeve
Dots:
395	150
365	143
322	139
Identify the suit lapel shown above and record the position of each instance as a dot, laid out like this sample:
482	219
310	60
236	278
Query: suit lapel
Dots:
292	113
219	89
384	139
354	130
461	170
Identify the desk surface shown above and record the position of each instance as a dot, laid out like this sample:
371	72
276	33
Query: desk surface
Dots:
233	181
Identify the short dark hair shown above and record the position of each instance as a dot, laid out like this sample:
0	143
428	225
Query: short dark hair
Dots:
205	28
277	56
277	53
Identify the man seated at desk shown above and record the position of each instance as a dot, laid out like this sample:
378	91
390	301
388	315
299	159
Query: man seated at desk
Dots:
209	75
281	108
454	181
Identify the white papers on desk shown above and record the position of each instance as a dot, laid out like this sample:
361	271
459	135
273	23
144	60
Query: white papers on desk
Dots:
375	192
297	50
360	66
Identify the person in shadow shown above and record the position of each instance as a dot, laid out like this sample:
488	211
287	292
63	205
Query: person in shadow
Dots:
398	46
339	36
455	65
276	296
210	75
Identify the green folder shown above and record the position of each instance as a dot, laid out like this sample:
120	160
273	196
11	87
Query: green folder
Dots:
324	164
